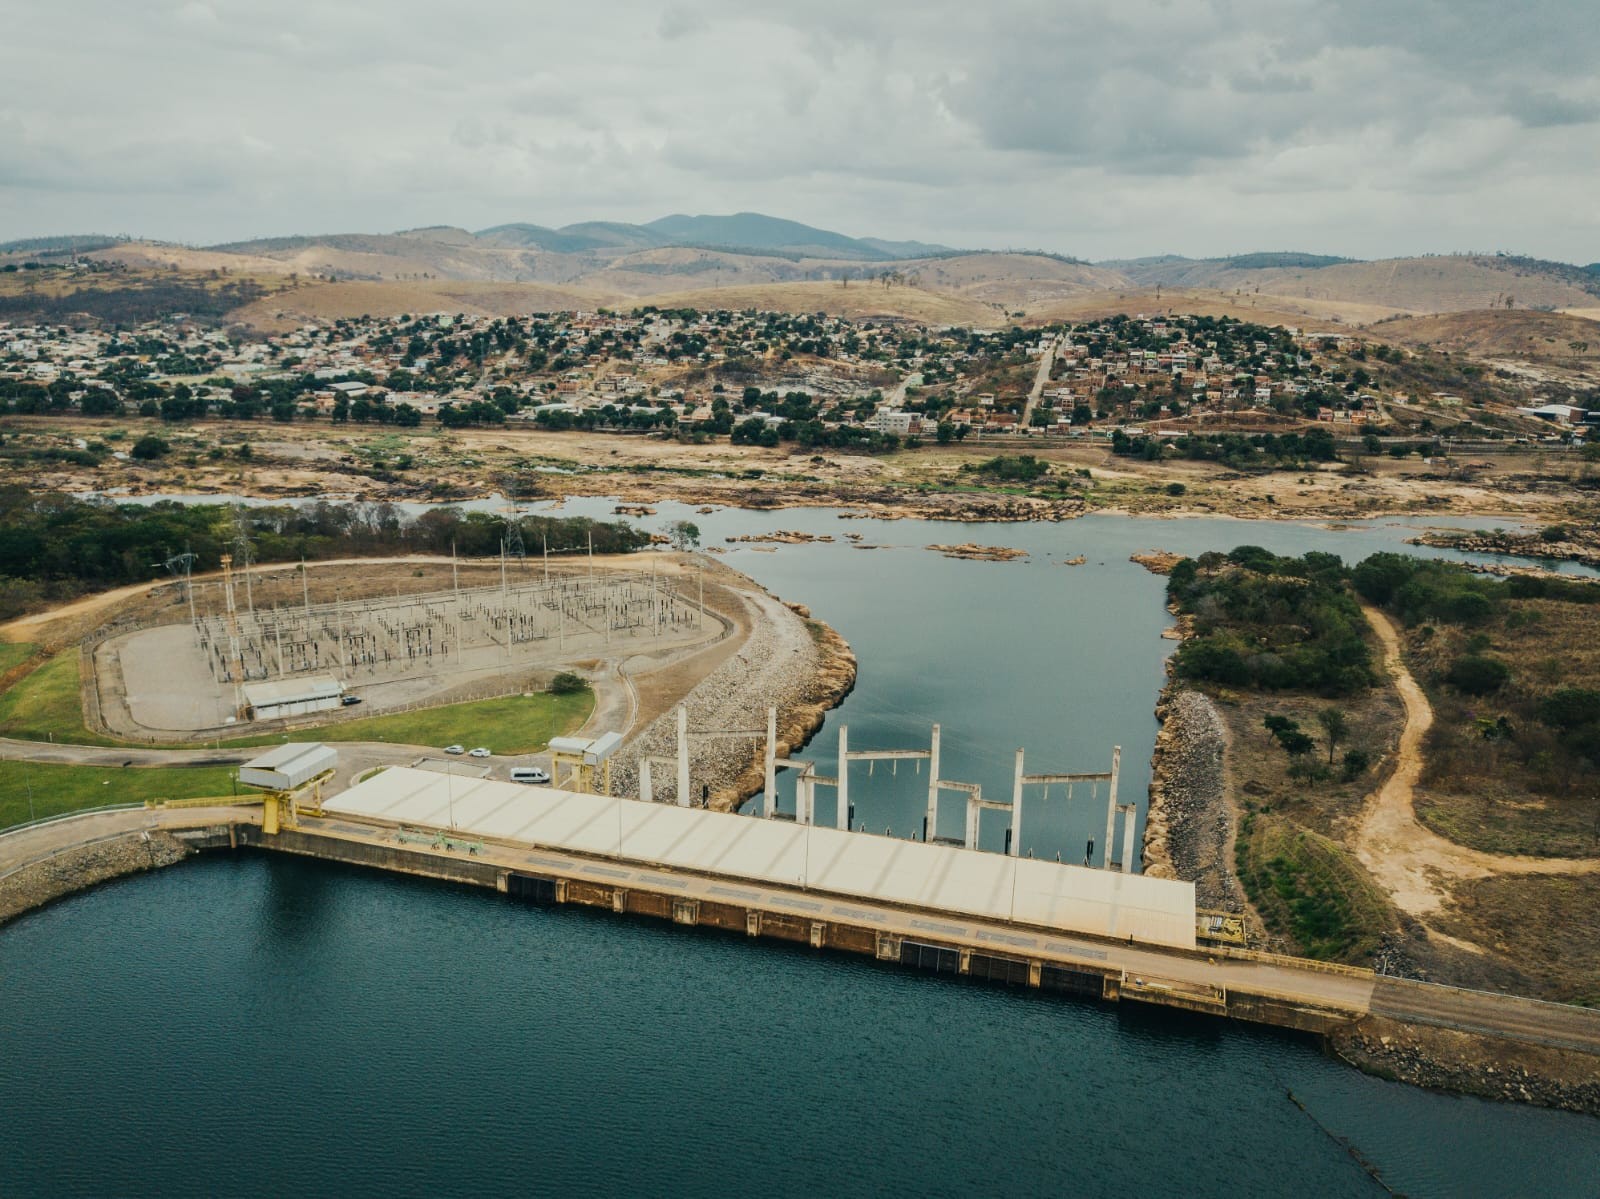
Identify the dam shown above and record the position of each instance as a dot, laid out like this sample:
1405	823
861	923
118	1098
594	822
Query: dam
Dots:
1094	932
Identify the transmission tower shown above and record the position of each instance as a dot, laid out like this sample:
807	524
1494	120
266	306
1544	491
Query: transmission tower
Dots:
514	547
183	564
241	545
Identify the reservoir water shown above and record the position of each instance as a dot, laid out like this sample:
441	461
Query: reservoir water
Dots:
254	1025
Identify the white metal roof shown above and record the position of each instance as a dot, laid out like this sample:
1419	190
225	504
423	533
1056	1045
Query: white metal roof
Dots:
936	877
287	766
293	691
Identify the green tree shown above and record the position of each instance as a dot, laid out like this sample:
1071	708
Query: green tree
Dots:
1335	728
685	535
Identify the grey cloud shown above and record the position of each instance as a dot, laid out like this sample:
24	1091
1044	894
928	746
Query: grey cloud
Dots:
1065	124
1544	110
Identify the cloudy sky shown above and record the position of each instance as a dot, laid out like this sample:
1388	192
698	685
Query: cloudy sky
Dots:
1359	127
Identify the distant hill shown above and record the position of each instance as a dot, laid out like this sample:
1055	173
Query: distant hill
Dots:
80	243
753	231
1551	338
618	263
908	249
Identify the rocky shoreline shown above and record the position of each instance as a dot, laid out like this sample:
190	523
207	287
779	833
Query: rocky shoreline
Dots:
84	866
1189	827
1579	546
790	661
1444	1060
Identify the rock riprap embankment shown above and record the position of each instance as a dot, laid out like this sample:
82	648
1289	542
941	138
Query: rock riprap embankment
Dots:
74	869
801	667
1188	832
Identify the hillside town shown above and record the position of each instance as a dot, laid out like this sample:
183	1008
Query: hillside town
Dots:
764	378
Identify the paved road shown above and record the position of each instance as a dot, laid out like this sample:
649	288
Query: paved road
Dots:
1046	361
1555	1024
355	757
21	846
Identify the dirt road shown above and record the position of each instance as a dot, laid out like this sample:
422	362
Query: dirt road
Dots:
1408	860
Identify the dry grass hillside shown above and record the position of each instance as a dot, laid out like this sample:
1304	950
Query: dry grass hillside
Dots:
1269	310
331	301
862	299
1443	284
148	256
1554	337
1012	281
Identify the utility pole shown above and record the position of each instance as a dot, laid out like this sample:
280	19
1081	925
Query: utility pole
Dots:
237	667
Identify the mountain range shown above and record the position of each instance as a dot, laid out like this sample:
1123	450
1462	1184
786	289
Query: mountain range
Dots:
752	260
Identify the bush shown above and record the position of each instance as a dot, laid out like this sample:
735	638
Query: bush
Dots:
567	683
1570	708
1475	674
1355	764
1176	489
1018	468
149	447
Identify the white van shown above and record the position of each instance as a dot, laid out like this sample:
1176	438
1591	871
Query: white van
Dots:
529	774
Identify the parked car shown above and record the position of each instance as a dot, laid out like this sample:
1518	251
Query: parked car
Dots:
455	749
529	774
480	752
347	700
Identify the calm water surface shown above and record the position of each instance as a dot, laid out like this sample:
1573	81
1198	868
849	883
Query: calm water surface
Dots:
253	1025
269	1026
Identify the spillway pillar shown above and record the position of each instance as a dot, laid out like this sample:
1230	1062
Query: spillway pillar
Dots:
842	817
769	794
683	756
930	822
1111	801
1016	808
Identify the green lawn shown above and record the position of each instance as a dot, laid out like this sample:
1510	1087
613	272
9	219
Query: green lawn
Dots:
513	724
54	788
14	652
44	706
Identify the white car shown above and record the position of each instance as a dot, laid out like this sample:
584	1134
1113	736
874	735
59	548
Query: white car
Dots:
455	749
480	752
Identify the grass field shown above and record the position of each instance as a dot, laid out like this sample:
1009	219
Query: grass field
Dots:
1553	922
1308	888
14	654
44	706
33	790
513	724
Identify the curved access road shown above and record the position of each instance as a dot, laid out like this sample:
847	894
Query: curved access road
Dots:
1406	858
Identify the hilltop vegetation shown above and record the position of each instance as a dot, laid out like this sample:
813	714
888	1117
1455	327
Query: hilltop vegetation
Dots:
1271	623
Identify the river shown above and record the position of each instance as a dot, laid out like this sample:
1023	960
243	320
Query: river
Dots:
261	1025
